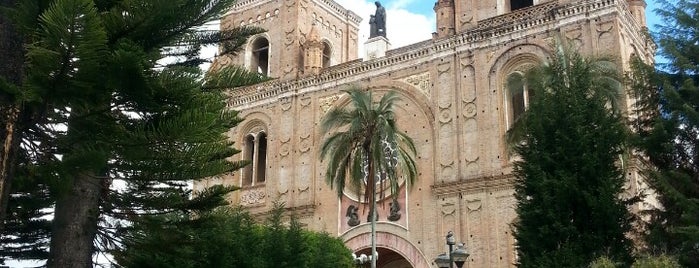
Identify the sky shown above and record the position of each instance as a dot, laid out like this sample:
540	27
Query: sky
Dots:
412	21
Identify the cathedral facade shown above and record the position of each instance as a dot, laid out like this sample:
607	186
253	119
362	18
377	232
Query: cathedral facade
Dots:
455	104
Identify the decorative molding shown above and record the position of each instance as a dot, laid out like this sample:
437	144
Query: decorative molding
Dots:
481	183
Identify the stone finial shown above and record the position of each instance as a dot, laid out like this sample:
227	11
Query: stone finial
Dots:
313	52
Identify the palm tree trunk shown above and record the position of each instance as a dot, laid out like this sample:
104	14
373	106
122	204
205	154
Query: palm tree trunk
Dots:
374	255
372	186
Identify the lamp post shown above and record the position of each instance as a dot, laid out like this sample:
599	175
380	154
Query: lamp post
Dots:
457	256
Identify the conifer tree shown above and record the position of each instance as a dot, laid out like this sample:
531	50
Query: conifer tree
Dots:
668	131
106	110
568	176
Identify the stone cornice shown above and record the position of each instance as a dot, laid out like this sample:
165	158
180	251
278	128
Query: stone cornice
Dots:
337	8
299	212
330	4
504	25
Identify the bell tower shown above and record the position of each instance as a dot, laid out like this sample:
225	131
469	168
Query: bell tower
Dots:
638	9
295	31
445	13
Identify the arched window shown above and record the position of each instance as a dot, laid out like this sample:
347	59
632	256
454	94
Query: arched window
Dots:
519	4
260	56
518	95
327	53
255	153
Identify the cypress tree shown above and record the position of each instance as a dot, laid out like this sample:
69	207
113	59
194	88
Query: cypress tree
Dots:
568	175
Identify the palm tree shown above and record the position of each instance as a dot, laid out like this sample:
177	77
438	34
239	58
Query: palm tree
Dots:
366	142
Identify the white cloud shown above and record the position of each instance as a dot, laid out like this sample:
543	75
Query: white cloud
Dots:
403	26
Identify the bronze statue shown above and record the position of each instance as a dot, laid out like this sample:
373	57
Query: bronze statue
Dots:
395	211
353	217
378	22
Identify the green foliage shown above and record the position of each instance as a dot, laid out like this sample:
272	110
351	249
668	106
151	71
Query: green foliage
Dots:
662	261
568	180
229	237
668	132
603	262
99	104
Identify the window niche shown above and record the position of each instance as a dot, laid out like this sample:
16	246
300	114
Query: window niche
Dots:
260	56
327	55
255	153
519	4
518	95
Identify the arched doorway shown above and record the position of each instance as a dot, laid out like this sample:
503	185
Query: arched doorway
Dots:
393	249
387	258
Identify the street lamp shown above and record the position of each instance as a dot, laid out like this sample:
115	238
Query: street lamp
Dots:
442	261
362	259
458	256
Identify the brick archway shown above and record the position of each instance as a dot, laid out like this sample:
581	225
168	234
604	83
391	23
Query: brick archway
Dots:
391	242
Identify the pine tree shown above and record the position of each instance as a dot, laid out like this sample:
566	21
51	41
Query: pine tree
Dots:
568	176
108	111
669	131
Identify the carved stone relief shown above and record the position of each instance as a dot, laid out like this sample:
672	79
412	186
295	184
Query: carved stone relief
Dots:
303	160
285	164
468	8
605	35
327	103
471	146
290	3
305	101
470	110
253	197
448	212
290	38
421	82
575	36
285	103
474	223
505	214
305	143
468	81
447	129
445	114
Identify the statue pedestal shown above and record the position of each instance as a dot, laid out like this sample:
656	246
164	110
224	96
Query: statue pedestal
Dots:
376	47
